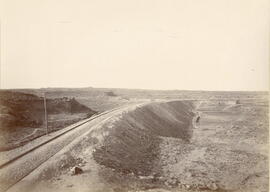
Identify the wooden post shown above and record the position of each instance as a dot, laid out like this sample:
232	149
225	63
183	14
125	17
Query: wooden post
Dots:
46	116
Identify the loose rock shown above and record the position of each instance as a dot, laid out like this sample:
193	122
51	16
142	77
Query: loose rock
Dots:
212	186
77	171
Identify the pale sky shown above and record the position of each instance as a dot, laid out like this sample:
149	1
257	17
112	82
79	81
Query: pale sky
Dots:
150	44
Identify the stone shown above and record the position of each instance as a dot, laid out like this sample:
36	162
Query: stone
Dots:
77	171
213	186
188	186
198	119
71	185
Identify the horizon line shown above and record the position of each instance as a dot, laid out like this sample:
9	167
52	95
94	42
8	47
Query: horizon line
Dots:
146	89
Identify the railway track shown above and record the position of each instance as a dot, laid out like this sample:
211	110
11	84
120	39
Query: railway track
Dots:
18	167
51	139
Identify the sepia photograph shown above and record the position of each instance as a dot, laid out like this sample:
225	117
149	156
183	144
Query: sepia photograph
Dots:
134	95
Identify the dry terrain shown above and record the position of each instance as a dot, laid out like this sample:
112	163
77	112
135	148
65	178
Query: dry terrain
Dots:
22	116
212	142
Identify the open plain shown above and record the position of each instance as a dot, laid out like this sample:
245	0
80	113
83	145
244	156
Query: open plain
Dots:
142	140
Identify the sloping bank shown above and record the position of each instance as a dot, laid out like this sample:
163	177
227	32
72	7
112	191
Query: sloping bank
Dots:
125	142
132	142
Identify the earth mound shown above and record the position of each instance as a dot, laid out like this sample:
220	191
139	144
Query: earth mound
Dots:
27	110
22	117
133	140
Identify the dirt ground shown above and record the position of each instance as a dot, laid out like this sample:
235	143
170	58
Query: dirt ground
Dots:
227	150
19	136
22	117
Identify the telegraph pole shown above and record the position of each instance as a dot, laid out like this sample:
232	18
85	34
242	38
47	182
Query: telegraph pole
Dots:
45	113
